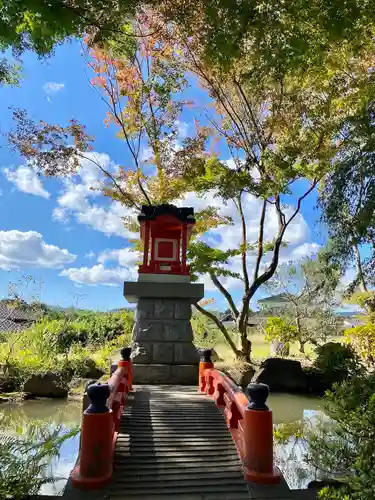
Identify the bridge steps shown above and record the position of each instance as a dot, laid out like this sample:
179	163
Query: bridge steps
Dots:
173	443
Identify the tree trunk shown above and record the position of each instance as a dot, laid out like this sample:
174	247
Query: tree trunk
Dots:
362	282
245	352
302	347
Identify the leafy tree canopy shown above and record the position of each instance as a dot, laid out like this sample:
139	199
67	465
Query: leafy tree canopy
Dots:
348	198
292	35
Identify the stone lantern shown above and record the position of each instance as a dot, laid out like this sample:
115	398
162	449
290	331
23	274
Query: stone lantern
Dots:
164	295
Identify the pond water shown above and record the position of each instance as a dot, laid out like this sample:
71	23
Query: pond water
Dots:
286	408
289	408
51	413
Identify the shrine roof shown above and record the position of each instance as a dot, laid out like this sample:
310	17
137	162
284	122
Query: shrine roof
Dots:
183	214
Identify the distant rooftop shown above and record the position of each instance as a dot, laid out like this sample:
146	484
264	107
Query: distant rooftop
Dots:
281	297
14	313
13	318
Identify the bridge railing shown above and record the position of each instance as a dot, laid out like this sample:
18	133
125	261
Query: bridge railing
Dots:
100	426
248	419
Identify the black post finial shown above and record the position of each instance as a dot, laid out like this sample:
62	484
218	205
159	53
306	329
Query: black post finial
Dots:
258	394
206	355
98	394
125	353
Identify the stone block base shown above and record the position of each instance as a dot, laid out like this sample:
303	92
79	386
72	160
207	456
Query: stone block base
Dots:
165	374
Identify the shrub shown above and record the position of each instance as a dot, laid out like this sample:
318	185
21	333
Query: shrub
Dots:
205	332
344	448
282	333
339	445
334	356
68	348
24	461
363	339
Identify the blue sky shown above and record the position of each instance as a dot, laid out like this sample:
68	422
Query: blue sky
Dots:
71	239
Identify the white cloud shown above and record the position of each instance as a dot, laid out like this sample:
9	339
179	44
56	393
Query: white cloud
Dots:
107	220
99	275
145	154
60	214
76	199
305	250
89	255
182	129
20	250
52	88
126	268
227	237
125	257
26	180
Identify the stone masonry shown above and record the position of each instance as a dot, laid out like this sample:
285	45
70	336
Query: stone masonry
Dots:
163	331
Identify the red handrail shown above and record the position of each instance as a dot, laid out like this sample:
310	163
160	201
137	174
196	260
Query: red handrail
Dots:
228	395
100	427
119	385
250	425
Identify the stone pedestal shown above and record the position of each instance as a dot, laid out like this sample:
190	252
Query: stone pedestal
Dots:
163	332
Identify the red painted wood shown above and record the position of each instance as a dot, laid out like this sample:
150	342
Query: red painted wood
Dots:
251	430
169	228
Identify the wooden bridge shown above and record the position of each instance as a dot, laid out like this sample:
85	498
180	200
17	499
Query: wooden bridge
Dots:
166	442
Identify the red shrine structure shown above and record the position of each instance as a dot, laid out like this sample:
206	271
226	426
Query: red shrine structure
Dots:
165	231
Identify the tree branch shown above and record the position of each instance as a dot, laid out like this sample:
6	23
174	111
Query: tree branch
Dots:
226	294
220	325
113	179
244	244
251	113
260	239
283	225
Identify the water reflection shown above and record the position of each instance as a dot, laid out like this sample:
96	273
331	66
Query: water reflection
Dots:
30	418
287	409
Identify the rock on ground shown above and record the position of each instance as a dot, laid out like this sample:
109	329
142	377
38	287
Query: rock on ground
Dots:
46	385
282	375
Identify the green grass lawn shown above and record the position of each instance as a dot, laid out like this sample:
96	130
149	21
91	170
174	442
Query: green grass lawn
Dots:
261	348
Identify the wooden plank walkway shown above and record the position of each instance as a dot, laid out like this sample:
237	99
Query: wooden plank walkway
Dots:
173	443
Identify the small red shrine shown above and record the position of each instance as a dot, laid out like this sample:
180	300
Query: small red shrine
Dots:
165	231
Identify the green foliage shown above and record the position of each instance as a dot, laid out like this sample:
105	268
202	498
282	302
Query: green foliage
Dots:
89	329
283	432
205	259
281	330
348	198
366	300
363	339
339	445
24	460
9	72
206	334
309	287
69	346
39	25
334	356
343	448
227	32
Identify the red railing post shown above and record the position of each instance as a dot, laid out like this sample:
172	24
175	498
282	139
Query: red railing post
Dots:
126	363
94	468
258	438
219	394
205	363
210	387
